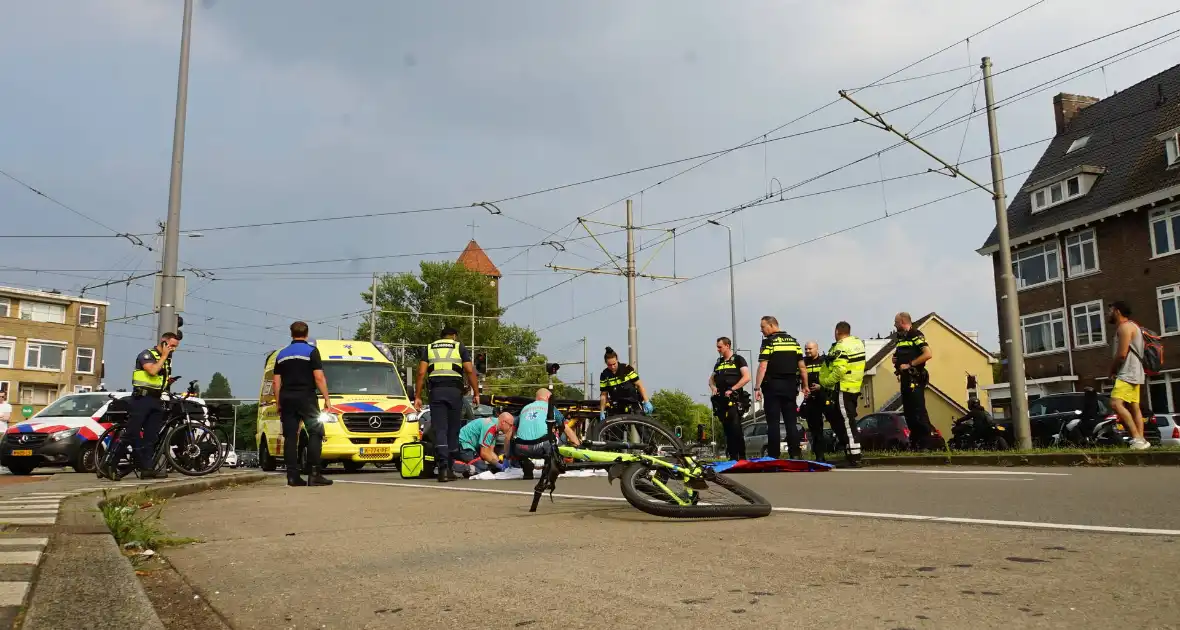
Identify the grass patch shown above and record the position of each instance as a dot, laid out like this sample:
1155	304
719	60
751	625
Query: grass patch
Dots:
134	519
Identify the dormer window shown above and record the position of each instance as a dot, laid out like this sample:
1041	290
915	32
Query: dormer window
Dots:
1171	140
1080	143
1063	187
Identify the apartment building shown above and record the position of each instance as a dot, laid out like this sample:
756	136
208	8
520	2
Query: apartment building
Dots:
1098	220
50	344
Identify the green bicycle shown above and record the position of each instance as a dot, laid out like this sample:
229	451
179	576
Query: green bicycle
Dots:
662	480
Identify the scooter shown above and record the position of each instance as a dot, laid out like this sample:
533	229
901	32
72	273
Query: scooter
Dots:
978	432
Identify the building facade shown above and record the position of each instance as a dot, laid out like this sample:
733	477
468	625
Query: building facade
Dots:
50	344
1097	221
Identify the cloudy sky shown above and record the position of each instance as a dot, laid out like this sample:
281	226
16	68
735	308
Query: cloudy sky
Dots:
312	109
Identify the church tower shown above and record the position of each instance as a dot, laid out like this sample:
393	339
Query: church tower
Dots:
475	259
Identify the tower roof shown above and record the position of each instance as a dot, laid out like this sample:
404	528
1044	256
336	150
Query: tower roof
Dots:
475	259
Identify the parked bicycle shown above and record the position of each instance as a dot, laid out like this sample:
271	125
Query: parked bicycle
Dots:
187	445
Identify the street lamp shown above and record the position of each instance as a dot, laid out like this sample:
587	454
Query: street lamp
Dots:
732	299
472	321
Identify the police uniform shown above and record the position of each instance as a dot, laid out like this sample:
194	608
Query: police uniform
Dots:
444	374
910	346
726	374
814	405
146	412
621	392
780	387
842	376
296	365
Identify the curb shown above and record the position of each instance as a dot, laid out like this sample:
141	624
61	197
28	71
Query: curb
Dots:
1128	458
84	580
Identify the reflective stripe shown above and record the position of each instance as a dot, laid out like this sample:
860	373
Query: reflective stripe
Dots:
848	359
141	378
444	359
853	445
616	381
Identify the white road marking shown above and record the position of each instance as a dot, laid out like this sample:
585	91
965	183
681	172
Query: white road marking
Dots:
13	593
956	472
35	507
27	520
14	542
982	479
19	557
817	512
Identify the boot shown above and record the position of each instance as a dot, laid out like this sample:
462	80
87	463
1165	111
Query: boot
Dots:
316	478
451	474
296	481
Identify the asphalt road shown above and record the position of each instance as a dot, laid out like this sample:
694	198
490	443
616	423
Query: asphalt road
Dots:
375	551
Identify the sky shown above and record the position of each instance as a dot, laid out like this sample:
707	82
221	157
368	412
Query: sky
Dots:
308	110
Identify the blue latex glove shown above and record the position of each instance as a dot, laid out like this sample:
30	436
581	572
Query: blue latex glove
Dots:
602	415
647	407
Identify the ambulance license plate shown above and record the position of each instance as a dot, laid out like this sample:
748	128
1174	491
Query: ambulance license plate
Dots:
22	453
375	450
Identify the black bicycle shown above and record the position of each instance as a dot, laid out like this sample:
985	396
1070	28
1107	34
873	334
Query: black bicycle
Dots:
185	444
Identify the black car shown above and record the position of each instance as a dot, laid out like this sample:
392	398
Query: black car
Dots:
1048	414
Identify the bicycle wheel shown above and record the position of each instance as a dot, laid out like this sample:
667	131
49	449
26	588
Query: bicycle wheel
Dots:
651	489
649	436
112	454
193	449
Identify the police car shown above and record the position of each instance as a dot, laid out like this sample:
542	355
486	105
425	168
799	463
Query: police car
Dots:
65	432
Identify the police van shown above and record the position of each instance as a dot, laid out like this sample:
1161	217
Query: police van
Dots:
371	415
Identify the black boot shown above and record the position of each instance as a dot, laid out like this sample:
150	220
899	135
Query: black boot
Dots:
296	481
451	474
316	478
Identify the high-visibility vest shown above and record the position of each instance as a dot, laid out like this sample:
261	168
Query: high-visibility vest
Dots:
846	359
141	377
443	359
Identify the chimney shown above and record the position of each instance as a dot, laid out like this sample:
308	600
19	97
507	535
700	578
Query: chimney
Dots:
1067	106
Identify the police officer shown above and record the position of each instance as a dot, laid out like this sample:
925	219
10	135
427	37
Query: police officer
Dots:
842	375
299	373
780	366
909	363
445	362
620	390
730	374
145	416
815	400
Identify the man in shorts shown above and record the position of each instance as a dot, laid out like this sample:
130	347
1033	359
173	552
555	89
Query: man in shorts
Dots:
1127	372
528	437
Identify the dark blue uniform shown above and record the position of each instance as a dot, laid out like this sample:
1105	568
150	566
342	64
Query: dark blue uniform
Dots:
445	378
296	365
145	414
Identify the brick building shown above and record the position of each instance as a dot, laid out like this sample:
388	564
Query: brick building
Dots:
1098	220
50	344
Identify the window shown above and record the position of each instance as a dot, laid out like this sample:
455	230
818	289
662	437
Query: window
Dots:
1088	325
1035	266
1043	332
84	363
4	386
1067	188
1055	195
1073	187
37	394
1081	253
5	307
1169	299
7	349
83	389
43	312
1039	199
1172	147
44	355
1165	230
88	316
1080	143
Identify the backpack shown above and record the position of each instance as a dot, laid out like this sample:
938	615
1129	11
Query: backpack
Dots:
1153	352
412	458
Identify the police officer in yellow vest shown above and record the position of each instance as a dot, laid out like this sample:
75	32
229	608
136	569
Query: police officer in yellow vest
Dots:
146	414
780	369
842	375
444	364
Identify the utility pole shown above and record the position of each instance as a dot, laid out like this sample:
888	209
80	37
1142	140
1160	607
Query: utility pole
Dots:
585	370
732	291
1011	304
373	311
628	271
169	297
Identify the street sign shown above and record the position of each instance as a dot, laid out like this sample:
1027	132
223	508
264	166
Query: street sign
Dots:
181	290
26	411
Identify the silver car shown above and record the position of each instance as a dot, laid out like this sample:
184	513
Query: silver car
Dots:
755	437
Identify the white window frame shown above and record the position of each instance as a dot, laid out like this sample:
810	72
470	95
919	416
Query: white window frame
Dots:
85	307
1172	149
1167	216
1088	310
56	393
83	389
6	304
78	358
1079	240
1165	293
29	343
33	303
10	343
1045	201
1052	272
1060	316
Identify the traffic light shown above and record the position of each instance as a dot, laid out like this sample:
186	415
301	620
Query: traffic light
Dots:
481	362
679	432
179	323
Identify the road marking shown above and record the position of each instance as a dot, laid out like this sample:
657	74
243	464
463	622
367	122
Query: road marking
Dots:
35	507
28	520
956	472
32	542
817	512
19	557
13	593
981	479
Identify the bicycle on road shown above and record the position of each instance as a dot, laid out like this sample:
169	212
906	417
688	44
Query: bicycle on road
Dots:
185	444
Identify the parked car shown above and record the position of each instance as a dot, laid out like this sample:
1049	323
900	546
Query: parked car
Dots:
888	431
756	441
1048	414
1169	428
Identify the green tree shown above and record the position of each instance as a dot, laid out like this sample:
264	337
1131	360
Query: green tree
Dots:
525	378
218	387
674	408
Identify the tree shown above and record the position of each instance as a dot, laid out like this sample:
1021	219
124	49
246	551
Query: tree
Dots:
526	378
675	408
218	387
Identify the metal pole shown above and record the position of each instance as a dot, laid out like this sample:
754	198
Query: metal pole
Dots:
373	312
632	333
235	440
1008	297
168	297
585	370
732	293
473	327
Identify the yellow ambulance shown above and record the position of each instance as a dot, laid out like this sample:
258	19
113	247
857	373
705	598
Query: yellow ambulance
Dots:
371	416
